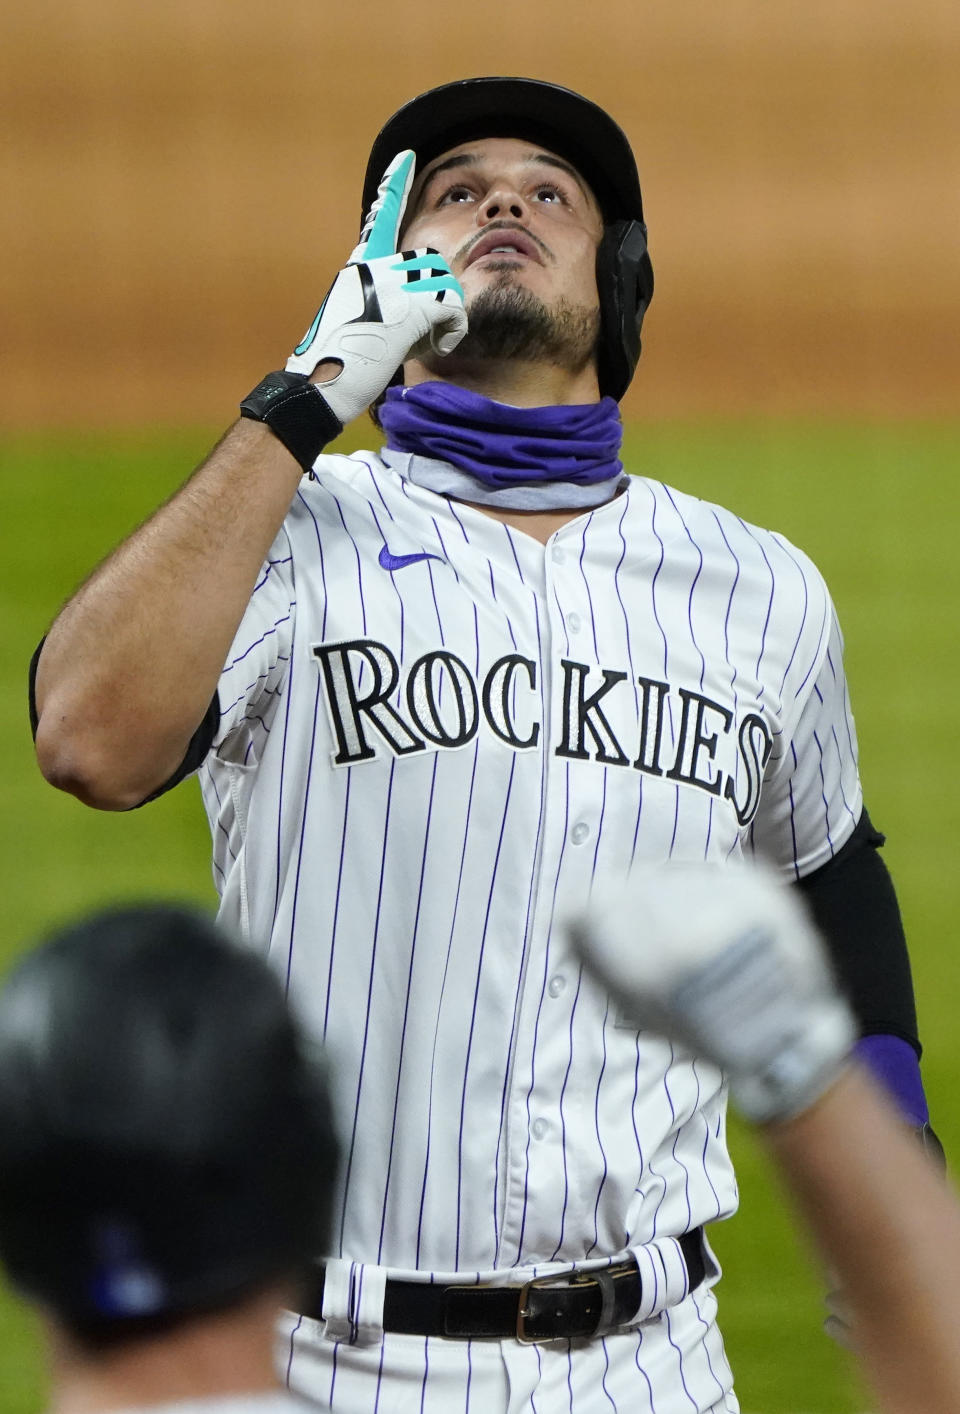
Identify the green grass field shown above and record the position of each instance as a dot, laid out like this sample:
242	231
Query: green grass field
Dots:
872	505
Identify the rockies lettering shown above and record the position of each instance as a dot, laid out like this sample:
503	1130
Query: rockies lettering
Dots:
445	706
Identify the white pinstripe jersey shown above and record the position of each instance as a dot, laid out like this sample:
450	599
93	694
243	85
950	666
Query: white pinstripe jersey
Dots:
421	766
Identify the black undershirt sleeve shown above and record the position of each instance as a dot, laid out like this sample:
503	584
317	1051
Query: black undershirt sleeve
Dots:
854	904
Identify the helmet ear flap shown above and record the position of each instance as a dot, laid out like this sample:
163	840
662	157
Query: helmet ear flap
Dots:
625	283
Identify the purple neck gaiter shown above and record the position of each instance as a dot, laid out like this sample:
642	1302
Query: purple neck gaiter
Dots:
525	457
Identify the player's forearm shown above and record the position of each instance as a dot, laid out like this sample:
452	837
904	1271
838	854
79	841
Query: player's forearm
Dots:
889	1225
132	661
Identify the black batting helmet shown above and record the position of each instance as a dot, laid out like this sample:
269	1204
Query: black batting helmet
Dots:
574	128
165	1135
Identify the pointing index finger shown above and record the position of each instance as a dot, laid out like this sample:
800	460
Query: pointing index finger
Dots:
381	230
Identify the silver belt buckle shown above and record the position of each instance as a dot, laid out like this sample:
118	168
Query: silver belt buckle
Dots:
561	1282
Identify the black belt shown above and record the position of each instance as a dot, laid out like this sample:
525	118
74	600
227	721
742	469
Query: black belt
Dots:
559	1307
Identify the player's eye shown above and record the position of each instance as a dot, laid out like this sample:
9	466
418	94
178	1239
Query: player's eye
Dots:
548	193
454	194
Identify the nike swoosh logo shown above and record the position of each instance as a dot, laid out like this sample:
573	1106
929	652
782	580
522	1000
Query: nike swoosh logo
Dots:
400	562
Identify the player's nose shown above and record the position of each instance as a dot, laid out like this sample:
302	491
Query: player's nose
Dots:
502	201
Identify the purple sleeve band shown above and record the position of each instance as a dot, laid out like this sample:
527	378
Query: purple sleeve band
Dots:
894	1064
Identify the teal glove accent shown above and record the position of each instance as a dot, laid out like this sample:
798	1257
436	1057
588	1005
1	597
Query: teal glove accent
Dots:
431	260
311	333
381	230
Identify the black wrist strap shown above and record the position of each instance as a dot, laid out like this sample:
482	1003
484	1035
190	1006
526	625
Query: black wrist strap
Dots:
296	412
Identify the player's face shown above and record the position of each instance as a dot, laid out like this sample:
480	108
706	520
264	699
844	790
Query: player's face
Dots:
507	212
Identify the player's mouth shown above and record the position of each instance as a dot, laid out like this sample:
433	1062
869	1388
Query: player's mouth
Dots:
504	244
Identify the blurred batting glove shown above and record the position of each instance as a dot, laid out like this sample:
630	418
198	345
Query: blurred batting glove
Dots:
382	306
728	962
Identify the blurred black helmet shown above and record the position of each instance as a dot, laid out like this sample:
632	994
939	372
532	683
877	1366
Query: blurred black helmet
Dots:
166	1141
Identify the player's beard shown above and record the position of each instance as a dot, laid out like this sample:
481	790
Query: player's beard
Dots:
507	322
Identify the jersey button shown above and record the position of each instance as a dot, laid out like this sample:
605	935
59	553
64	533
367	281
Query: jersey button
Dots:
557	555
580	832
556	985
573	623
540	1129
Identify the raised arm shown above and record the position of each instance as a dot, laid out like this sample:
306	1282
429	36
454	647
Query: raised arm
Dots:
728	963
888	1223
131	664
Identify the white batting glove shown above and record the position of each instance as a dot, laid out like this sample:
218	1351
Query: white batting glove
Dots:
382	306
727	961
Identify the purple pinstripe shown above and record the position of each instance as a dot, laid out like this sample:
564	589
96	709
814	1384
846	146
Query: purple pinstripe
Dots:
271	566
766	622
706	843
533	1402
603	1378
596	1125
333	1370
706	1347
534	872
563	1121
633	1109
523	956
603	806
643	1372
536	1031
843	796
443	985
299	1323
280	658
706	1142
375	483
823	797
726	654
636	828
366	1023
793	823
693	585
623	608
303	827
257	641
426	1372
406	1007
336	898
392	581
586	585
683	1381
376	1401
653	587
286	729
673	1120
513	550
473	1013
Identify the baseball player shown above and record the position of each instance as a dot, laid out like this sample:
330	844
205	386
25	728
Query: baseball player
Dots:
728	965
435	694
166	1161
